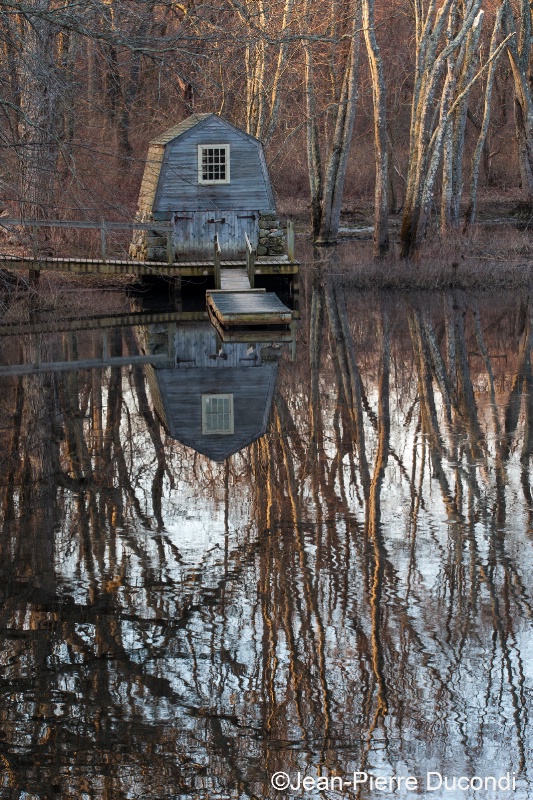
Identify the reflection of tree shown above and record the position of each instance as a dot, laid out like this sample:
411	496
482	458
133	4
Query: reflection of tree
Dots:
364	596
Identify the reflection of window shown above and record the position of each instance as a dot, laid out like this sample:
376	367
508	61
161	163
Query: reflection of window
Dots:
213	163
217	413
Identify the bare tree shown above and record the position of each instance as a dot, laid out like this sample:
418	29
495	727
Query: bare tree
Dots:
470	216
519	50
461	63
381	193
441	36
38	124
267	47
327	183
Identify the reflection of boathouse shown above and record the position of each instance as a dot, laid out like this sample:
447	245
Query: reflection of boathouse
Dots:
218	397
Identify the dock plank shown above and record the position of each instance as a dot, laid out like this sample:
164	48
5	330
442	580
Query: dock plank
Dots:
234	278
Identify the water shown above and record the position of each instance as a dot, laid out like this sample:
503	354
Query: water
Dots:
351	593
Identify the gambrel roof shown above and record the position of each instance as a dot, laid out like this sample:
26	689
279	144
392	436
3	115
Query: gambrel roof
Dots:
197	120
162	167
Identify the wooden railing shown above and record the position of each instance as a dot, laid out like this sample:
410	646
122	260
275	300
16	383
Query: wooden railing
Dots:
250	261
103	225
82	223
216	262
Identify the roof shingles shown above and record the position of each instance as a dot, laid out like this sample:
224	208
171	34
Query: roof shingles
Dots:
180	129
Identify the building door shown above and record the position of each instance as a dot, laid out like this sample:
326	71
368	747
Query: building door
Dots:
194	233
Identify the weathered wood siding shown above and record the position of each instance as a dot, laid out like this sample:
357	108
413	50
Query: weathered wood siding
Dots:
194	232
181	394
195	345
178	188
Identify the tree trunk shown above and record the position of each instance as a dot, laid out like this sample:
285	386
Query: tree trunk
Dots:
381	196
327	188
430	113
470	216
519	57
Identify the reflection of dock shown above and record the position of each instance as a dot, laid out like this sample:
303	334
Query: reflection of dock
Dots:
99	322
104	323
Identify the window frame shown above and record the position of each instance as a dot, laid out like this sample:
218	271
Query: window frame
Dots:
201	180
217	432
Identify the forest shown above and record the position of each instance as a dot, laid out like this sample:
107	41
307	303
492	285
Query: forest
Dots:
406	110
350	590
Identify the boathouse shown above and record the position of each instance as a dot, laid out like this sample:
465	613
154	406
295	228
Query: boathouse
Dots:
205	177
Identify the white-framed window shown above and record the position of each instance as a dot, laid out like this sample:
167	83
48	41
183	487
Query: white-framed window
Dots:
213	163
217	413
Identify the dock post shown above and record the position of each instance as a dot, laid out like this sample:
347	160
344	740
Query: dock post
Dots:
34	274
38	343
175	292
170	248
103	239
290	240
250	261
216	263
292	327
105	348
171	349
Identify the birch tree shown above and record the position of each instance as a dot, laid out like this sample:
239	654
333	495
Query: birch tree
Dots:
461	63
470	216
381	193
266	56
441	34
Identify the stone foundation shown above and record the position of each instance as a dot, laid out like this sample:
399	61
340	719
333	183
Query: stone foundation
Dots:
272	237
139	246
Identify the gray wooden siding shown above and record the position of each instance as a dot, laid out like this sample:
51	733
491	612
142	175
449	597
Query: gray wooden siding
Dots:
195	345
181	392
194	232
179	190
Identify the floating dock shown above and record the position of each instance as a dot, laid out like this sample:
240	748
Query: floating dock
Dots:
248	308
236	304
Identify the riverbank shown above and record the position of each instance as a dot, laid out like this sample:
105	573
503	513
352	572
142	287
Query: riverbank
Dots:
488	257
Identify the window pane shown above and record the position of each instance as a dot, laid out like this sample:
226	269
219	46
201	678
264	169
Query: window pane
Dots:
214	164
217	414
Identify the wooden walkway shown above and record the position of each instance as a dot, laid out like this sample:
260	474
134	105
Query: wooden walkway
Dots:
232	280
99	322
117	266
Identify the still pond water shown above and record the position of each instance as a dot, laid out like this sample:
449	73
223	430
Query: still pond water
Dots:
350	593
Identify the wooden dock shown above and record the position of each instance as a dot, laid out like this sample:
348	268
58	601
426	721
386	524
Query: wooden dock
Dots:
234	280
117	266
248	308
236	304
